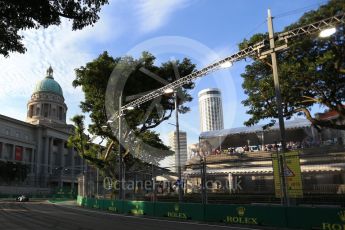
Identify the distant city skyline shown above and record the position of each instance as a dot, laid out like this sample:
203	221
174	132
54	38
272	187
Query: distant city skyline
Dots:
183	149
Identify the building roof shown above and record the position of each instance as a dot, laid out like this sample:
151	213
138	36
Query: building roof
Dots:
209	90
330	167
48	84
329	115
291	124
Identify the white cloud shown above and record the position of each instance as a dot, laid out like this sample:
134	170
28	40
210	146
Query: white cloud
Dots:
59	47
152	14
20	72
66	50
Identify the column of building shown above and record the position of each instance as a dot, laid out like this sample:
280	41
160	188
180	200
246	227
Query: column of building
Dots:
71	154
46	155
60	155
13	155
2	150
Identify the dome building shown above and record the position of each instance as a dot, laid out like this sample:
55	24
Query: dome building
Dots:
47	104
39	145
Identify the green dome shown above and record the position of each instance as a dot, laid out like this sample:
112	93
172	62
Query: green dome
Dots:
48	84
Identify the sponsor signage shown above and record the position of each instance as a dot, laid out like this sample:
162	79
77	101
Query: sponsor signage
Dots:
137	210
336	226
96	204
177	213
241	218
292	173
112	207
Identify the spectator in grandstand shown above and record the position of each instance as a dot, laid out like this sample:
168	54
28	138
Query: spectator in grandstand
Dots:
239	150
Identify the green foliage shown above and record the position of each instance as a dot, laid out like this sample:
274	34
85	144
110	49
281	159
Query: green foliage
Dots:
88	150
93	79
80	141
311	72
17	15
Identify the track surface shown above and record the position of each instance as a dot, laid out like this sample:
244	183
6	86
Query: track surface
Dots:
43	216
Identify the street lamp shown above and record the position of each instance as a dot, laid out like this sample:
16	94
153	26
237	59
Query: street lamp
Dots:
279	103
226	64
180	191
324	33
169	91
121	168
180	195
202	157
327	32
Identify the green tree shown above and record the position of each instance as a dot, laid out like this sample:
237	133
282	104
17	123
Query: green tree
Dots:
18	15
93	79
311	72
88	150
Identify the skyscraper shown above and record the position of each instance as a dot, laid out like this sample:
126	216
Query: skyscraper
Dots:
183	149
210	109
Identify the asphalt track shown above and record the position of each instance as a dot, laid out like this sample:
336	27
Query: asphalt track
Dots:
42	215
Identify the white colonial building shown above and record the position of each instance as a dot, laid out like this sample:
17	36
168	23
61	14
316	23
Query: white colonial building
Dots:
39	145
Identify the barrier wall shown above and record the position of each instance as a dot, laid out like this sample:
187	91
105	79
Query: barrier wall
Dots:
260	215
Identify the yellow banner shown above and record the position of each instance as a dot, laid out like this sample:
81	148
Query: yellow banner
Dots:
292	172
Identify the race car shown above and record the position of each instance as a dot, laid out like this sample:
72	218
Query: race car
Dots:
22	198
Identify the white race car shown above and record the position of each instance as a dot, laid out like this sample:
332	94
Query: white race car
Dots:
22	198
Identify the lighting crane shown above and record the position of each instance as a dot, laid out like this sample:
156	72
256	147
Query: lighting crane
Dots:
259	49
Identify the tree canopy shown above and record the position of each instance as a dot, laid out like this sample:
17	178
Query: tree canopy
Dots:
19	15
311	72
93	78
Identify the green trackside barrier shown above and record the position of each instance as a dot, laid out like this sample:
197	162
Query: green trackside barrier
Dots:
274	216
57	196
79	200
113	206
139	208
84	201
66	193
92	203
316	218
58	200
8	196
97	203
184	211
89	202
261	215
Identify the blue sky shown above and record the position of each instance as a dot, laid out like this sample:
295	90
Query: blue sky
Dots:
202	30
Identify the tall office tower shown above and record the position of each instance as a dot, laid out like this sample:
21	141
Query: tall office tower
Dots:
183	149
210	109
